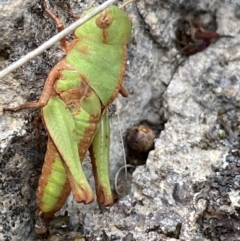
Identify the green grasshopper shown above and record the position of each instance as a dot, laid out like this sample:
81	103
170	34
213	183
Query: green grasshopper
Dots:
74	104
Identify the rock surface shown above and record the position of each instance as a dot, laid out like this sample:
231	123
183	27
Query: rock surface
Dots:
189	187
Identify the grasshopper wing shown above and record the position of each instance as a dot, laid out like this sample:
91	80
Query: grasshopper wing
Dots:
53	188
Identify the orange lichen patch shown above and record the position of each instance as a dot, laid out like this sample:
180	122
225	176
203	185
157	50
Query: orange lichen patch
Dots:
50	157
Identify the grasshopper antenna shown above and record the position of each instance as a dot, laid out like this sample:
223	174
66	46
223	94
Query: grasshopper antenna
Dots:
121	193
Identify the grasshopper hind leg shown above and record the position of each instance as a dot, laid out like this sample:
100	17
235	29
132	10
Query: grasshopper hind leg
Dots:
54	187
99	153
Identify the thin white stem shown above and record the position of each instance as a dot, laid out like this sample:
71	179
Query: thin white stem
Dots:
117	177
124	154
55	39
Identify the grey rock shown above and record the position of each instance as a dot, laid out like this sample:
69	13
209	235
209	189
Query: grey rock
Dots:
188	189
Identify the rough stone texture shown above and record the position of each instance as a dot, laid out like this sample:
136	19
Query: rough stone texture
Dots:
189	187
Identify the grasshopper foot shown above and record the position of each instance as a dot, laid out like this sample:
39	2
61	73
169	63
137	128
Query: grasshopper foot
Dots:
104	197
84	195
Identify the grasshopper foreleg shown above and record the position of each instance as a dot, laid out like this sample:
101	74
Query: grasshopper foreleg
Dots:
60	26
47	91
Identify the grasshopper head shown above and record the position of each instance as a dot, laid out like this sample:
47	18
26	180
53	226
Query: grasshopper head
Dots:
104	20
112	26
